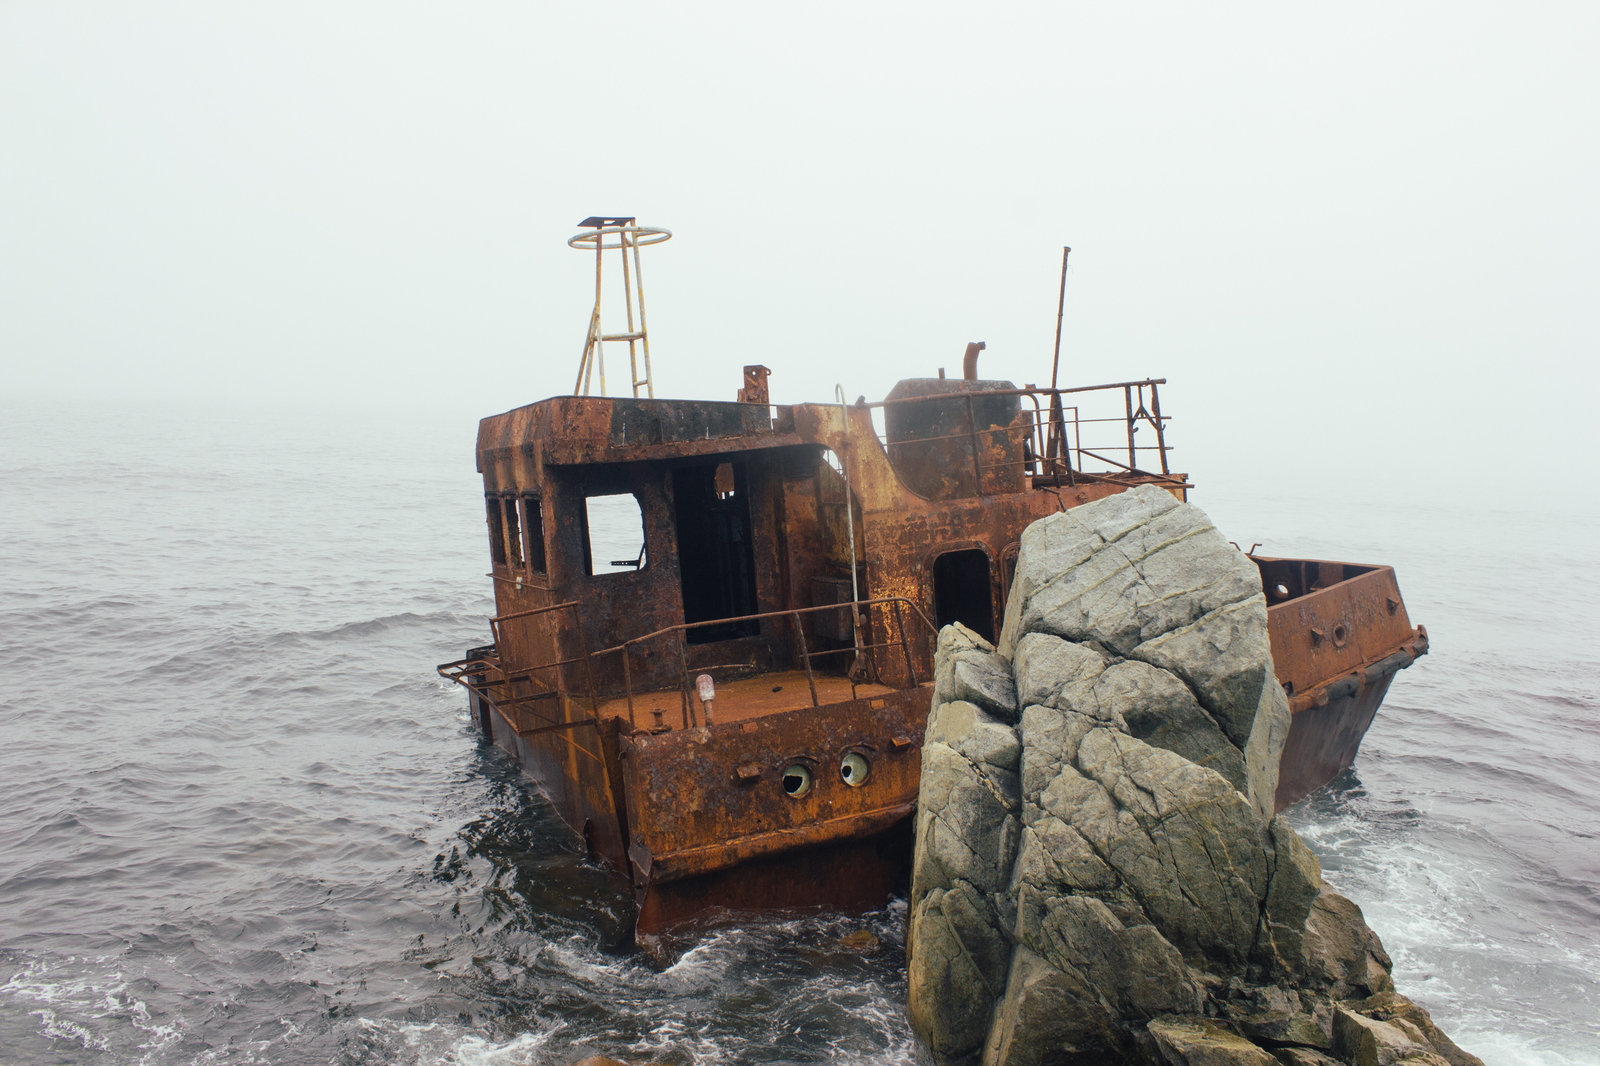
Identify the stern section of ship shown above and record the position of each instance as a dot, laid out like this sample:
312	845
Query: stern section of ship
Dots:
794	809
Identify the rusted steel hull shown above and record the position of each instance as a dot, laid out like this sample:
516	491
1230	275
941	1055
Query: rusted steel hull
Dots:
578	773
708	824
709	805
1323	742
855	874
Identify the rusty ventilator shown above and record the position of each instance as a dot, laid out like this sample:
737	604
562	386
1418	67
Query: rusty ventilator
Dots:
731	715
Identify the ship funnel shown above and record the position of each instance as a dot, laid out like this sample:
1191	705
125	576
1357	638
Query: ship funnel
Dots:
625	236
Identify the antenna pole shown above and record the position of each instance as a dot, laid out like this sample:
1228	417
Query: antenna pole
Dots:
1055	440
1061	306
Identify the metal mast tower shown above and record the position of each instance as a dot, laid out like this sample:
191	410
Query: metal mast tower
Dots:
628	237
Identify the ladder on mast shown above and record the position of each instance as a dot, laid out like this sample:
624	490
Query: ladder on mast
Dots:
629	237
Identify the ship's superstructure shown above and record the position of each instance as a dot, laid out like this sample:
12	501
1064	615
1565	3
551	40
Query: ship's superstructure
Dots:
715	621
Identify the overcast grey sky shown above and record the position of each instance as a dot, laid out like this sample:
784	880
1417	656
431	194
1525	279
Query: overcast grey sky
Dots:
1361	240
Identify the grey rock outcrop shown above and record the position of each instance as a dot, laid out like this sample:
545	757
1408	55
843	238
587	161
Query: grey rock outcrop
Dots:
968	669
1098	874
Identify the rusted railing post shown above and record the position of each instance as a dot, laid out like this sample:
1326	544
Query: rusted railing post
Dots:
805	653
588	665
627	686
905	648
977	463
1161	437
1127	398
1077	434
683	680
1035	436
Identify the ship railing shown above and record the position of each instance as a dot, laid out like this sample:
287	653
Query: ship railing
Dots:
1055	451
488	677
894	609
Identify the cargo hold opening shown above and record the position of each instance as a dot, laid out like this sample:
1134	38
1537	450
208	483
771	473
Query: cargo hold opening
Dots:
716	558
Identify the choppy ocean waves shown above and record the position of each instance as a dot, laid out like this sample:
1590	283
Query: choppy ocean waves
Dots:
820	989
245	821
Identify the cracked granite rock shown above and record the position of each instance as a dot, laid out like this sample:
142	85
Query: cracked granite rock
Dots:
967	668
1098	877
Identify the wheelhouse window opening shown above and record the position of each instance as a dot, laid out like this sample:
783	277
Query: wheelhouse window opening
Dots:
533	530
716	556
513	532
497	535
613	534
962	593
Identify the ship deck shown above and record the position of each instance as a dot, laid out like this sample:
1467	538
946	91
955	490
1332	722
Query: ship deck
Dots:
742	700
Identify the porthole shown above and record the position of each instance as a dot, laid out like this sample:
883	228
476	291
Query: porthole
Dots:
797	780
1282	590
854	768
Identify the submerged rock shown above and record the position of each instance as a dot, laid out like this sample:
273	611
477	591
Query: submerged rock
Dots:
1098	875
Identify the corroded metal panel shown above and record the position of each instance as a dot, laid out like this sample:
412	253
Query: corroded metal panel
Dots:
1326	635
1324	740
859	872
1339	633
948	447
574	766
703	800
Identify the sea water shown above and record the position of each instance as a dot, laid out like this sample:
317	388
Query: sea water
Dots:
243	821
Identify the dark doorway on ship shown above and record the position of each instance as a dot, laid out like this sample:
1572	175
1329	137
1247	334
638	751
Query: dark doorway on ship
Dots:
961	591
716	557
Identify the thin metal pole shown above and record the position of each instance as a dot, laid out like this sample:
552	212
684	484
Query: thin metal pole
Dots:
850	523
904	647
1057	448
627	685
972	432
588	665
627	302
583	364
1077	434
1055	360
644	330
683	680
805	653
1061	307
597	348
1161	437
1127	399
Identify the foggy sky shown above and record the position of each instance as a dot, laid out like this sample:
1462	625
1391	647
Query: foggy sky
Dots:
1360	240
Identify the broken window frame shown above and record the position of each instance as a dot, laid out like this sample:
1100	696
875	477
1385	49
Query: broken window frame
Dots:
644	560
497	534
534	557
515	554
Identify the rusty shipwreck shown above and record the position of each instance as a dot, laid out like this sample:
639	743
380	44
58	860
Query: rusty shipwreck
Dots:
714	624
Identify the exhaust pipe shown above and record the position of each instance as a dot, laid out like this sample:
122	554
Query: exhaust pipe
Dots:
969	362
